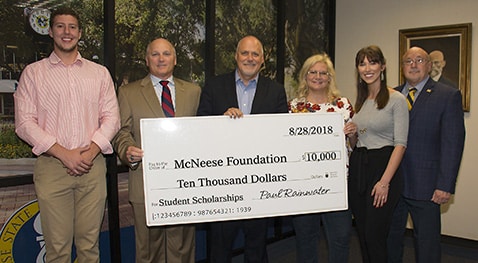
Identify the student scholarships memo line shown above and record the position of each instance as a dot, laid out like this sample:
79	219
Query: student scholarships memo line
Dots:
234	198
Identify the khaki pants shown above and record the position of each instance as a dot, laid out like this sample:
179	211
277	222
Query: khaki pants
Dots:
71	207
162	244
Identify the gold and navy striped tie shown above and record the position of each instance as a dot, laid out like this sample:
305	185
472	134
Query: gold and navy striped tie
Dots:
411	97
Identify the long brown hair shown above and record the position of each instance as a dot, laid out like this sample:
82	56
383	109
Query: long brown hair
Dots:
373	54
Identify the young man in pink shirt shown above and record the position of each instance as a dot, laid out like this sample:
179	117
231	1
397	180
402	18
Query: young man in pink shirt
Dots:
66	109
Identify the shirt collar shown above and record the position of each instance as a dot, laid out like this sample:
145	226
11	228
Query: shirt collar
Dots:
156	80
55	59
419	86
238	78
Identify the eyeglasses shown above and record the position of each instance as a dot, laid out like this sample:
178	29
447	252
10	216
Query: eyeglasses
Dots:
417	61
319	73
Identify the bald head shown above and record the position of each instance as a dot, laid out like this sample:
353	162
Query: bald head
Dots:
250	40
161	58
160	41
438	63
249	58
415	65
437	55
416	51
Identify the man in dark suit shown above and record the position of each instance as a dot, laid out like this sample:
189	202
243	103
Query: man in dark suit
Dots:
242	91
143	99
432	159
438	64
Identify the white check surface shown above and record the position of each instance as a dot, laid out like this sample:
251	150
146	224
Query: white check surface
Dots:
199	169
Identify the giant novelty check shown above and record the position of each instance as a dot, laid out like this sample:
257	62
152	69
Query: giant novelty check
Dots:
199	169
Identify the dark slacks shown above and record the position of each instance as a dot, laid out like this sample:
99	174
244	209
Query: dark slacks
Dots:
373	224
337	228
426	231
223	234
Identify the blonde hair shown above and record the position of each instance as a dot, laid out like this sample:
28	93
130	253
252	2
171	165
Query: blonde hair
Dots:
303	90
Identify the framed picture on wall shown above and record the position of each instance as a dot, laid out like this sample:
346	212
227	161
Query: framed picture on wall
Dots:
449	47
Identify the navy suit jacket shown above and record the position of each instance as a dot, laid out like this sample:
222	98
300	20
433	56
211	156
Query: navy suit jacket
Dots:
435	141
447	81
219	94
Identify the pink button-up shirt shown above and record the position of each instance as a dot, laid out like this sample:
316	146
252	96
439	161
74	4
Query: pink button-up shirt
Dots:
72	105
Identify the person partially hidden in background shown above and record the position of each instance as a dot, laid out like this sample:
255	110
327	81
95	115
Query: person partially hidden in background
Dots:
438	64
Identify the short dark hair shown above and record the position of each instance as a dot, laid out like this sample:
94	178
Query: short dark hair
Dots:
64	10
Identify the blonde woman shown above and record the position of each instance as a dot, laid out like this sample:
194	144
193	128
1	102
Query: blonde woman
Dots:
317	92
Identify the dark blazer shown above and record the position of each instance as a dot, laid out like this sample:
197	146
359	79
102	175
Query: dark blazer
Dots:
219	94
435	141
447	81
139	100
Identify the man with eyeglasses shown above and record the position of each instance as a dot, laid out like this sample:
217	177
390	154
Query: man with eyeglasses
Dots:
438	63
432	159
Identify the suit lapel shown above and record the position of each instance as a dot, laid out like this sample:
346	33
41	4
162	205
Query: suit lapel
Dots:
400	88
258	96
421	100
424	94
180	97
149	95
226	90
231	90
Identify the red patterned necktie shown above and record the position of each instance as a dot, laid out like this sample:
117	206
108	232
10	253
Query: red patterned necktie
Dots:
166	100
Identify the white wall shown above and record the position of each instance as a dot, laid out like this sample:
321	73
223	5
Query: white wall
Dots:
364	22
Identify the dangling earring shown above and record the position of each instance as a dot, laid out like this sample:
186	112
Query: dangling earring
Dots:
381	76
360	80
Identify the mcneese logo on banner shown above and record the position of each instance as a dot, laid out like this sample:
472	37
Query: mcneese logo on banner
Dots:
21	237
